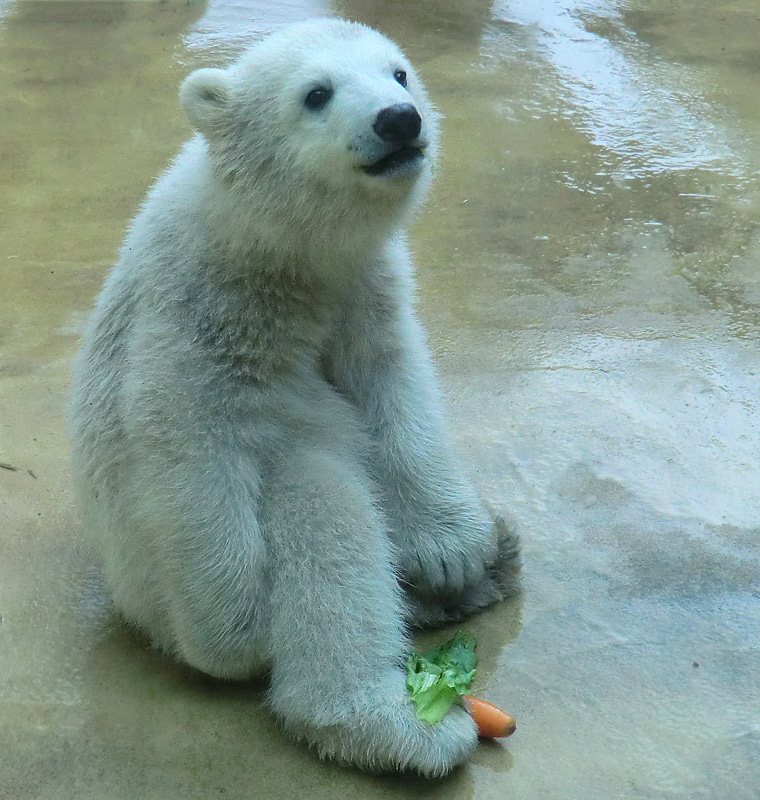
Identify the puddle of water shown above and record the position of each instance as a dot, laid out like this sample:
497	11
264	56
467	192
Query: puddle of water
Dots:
624	96
588	273
225	28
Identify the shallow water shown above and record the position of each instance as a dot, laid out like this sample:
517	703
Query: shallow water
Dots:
589	277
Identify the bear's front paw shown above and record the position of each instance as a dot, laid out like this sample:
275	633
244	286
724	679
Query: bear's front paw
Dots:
500	578
442	568
446	563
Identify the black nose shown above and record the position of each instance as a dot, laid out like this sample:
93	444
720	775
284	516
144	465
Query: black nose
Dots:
398	124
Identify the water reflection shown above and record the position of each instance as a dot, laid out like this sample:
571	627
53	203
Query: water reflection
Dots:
229	25
625	97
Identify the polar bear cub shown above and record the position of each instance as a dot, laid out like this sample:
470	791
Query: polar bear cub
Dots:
257	435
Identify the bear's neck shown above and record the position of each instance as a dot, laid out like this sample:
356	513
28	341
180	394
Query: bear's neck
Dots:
320	236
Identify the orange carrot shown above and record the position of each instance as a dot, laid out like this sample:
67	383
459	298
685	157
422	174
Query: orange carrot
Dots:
491	722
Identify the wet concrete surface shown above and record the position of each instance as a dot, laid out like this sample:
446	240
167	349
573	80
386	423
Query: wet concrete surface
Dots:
589	276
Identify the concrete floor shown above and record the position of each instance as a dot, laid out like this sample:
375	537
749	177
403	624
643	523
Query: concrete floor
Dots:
589	276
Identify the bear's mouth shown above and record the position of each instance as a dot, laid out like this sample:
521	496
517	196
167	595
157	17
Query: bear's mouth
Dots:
404	160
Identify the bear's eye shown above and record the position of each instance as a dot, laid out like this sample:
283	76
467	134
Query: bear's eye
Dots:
400	76
317	98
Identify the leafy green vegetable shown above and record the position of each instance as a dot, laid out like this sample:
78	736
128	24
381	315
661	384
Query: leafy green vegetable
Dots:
436	677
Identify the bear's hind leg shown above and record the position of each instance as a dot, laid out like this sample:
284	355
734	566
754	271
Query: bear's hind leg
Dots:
188	523
336	615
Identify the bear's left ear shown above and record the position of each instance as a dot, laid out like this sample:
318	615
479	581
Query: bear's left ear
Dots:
204	95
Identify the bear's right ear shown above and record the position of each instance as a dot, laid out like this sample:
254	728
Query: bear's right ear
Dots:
204	96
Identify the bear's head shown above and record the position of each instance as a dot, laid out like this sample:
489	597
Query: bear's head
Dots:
321	112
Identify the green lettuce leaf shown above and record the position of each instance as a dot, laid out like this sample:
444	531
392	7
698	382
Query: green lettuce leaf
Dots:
436	677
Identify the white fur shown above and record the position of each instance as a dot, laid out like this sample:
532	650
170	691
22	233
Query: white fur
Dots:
256	429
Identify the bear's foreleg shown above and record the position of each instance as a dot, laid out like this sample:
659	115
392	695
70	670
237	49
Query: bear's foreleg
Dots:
448	544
